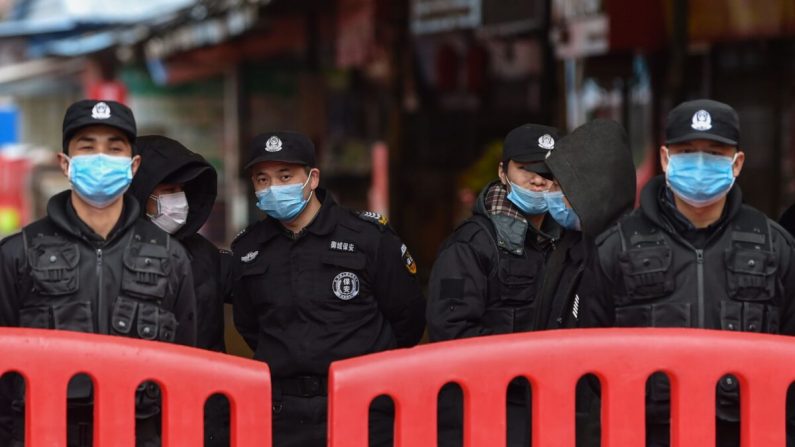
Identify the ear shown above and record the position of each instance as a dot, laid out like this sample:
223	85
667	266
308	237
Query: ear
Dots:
664	154
501	174
63	162
738	163
136	163
314	181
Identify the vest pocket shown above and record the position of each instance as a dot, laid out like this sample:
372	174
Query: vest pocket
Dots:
37	317
750	274
655	315
748	317
145	273
646	272
517	279
69	316
149	321
53	269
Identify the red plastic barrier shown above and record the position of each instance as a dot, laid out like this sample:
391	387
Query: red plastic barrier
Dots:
49	359
553	362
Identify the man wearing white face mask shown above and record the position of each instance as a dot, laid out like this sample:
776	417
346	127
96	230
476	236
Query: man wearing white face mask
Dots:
177	188
88	265
314	283
693	255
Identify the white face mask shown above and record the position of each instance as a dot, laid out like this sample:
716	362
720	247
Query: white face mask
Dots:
172	211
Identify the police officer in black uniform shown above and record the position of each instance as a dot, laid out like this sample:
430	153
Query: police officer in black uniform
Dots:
315	283
693	255
92	264
516	264
177	188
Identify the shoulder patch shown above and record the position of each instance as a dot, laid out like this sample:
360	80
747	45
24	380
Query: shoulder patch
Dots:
375	218
408	260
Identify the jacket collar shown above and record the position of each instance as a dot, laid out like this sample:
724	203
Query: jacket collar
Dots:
655	205
323	223
61	212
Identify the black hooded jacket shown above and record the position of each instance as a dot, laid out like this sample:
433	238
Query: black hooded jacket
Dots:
164	160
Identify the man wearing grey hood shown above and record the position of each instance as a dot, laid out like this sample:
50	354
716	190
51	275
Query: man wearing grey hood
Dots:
176	189
516	264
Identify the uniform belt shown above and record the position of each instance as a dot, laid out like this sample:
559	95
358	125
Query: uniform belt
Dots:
302	386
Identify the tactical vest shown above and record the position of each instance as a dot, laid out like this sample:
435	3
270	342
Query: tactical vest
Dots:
732	284
513	282
143	307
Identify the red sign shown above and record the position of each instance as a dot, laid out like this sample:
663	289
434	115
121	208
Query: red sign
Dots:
110	90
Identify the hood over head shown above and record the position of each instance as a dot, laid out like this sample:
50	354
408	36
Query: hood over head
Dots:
594	167
164	160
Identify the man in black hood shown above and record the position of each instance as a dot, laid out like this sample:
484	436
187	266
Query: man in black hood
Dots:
176	189
515	265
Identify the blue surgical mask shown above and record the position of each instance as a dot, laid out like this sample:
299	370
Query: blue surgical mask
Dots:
283	202
100	179
698	178
529	201
562	214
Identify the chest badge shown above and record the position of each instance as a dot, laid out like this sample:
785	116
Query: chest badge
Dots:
252	255
348	247
345	285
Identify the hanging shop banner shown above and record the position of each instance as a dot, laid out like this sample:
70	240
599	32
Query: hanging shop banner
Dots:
437	16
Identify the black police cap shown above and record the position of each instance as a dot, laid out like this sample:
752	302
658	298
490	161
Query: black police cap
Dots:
703	119
530	143
92	112
284	146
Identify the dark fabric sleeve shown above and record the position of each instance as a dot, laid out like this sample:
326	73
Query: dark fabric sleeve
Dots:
185	299
11	259
597	288
243	311
458	289
397	290
785	246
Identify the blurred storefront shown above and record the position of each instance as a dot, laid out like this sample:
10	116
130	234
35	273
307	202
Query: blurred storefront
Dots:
634	64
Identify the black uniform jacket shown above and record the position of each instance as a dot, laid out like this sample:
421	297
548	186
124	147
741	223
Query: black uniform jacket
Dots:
655	269
165	161
345	286
99	286
729	284
497	274
488	273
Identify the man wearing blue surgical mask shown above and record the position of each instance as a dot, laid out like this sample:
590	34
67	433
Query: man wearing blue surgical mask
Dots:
489	272
87	266
693	255
314	283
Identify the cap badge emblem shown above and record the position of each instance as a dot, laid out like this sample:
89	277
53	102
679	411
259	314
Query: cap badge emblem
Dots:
702	120
546	142
101	111
274	144
345	285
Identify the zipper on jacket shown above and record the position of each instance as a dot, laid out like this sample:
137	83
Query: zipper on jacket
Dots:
700	277
102	308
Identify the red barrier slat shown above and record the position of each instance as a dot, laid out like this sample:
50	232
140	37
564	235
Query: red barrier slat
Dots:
49	359
622	359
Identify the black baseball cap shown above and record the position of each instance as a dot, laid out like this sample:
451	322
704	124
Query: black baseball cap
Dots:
92	112
284	146
703	119
530	143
